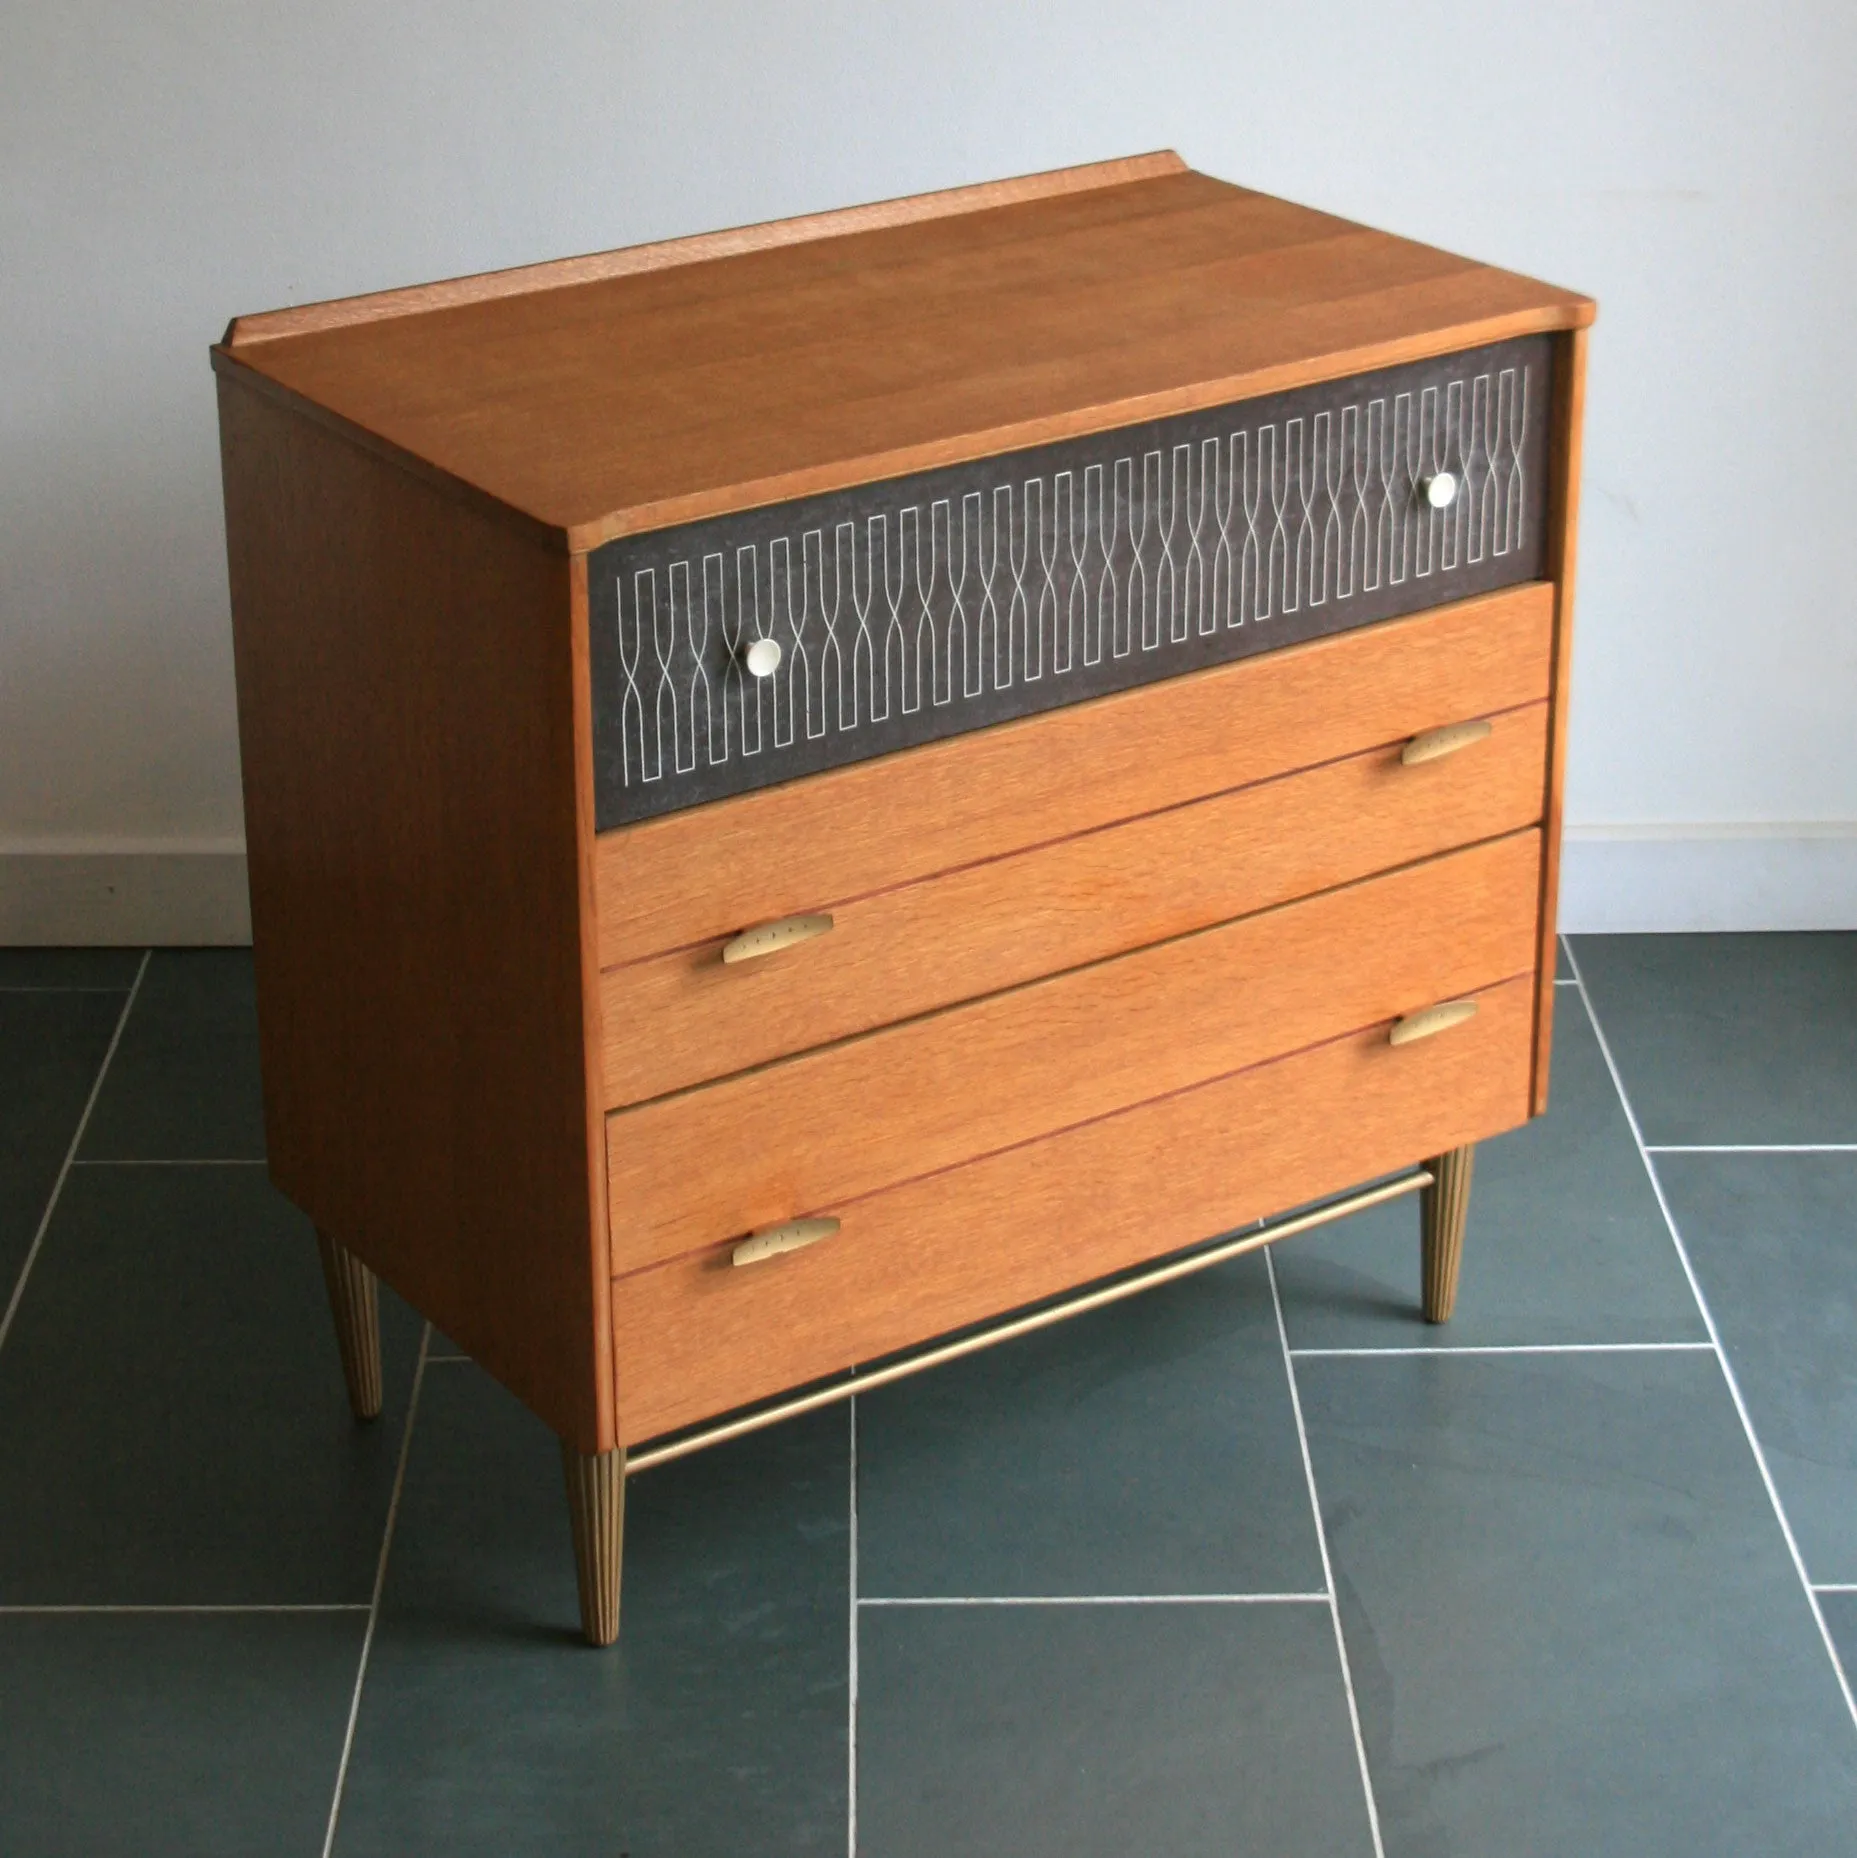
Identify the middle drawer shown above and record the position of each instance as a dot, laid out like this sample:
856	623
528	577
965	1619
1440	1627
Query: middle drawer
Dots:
813	1131
685	1017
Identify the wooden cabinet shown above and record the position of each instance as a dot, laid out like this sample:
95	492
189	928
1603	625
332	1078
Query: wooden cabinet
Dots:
811	788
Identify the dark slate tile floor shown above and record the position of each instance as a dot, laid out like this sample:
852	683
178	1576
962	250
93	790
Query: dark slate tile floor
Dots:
1195	1730
1721	1041
1841	1618
1149	1448
173	1427
51	1045
1572	1622
1594	1579
1774	1241
1609	1274
720	1725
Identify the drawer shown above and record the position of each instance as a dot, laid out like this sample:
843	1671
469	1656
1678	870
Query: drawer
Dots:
752	648
681	1018
812	1132
693	876
697	1337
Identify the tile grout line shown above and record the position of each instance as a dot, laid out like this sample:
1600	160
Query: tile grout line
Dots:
1100	1599
380	1583
171	1161
1328	1571
1508	1348
70	1154
851	1724
6	988
186	1606
1721	1353
1834	1586
1750	1148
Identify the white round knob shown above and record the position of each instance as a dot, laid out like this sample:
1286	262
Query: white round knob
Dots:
764	657
1440	490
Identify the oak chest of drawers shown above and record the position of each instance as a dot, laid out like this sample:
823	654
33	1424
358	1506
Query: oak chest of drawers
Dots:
882	778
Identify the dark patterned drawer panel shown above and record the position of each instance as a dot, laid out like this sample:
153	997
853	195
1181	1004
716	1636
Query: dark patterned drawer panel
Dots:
924	606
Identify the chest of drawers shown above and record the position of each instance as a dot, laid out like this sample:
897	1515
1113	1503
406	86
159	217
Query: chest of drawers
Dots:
820	796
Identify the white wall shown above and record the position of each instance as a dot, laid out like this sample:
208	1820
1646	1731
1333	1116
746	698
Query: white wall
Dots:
167	165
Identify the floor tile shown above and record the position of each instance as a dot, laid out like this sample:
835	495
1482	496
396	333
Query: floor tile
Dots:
184	1736
1563	968
1572	1620
1840	1610
1731	1038
1565	1243
717	1725
51	1045
173	1426
184	1082
1149	1448
1078	1731
1773	1239
69	967
1573	1623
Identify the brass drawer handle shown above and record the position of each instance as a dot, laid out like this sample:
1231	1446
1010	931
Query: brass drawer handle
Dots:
1430	1020
767	938
1434	744
794	1236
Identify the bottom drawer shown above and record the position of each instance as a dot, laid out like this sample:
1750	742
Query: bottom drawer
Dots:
700	1335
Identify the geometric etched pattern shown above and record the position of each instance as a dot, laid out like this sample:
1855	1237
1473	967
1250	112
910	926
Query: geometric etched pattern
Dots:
912	603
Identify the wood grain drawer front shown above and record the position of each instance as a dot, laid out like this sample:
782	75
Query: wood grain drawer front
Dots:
682	1018
698	1337
810	1133
695	876
756	647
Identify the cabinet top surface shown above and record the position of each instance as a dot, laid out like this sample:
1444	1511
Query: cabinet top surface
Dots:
660	384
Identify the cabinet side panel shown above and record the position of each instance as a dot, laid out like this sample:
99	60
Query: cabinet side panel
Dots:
1563	539
407	680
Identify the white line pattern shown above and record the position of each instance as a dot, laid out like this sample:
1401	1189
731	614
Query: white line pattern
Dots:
930	605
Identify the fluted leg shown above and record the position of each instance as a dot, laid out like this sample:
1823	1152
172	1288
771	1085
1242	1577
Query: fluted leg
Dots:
596	1507
1442	1210
354	1301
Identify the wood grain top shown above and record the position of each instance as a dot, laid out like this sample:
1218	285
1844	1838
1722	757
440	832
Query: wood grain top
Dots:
602	396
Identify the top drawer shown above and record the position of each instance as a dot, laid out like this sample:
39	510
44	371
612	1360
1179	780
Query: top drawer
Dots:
925	606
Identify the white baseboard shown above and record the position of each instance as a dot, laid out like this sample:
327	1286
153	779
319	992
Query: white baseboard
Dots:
1613	879
1623	879
140	897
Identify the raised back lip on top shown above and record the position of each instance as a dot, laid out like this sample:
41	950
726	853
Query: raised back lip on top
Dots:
663	254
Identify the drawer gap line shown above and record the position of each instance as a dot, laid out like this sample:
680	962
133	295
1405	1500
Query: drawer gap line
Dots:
1062	838
1123	1109
1148	1277
1081	967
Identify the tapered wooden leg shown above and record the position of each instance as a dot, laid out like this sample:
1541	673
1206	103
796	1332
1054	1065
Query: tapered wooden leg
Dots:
596	1507
354	1300
1443	1207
